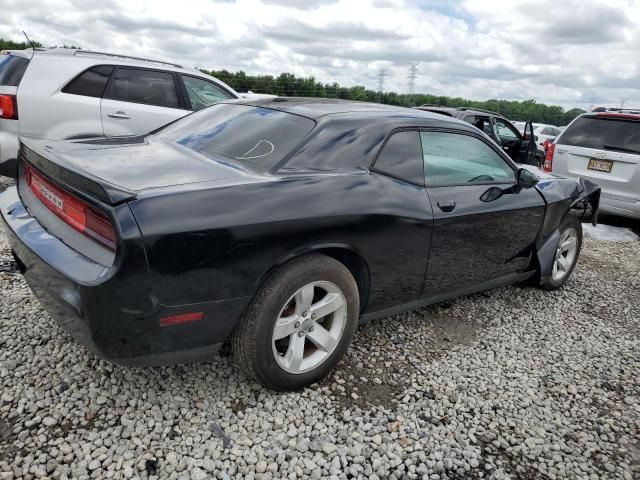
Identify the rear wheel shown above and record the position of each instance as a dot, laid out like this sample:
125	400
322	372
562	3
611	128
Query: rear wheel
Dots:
299	325
567	253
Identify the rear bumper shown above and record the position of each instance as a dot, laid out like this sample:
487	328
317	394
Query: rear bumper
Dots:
111	310
619	205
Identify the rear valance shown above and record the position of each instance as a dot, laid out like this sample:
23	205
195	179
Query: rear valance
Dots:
51	165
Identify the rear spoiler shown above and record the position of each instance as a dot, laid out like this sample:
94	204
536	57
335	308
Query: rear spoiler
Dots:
50	164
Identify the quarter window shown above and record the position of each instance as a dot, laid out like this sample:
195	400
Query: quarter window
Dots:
401	158
91	83
203	93
456	159
138	85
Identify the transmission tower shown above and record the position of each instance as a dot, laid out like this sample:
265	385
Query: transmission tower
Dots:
381	74
411	84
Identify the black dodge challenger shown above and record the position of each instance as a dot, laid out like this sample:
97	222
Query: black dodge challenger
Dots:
277	225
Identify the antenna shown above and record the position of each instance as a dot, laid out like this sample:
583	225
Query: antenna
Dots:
381	74
411	84
29	40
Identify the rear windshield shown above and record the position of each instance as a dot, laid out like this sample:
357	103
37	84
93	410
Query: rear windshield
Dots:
11	70
604	134
256	136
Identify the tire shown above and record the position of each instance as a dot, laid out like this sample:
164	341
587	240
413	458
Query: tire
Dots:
275	363
571	226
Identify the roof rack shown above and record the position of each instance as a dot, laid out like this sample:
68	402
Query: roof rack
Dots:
479	110
126	57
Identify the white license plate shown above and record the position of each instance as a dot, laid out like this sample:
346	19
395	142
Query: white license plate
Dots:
600	165
52	197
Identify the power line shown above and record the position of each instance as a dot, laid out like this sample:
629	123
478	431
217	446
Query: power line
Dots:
381	74
411	84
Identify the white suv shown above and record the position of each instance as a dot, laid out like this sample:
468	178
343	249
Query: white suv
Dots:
64	93
603	147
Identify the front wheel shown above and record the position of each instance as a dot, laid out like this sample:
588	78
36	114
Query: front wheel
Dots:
299	324
567	253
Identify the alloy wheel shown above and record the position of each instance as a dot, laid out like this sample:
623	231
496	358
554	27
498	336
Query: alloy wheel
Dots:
309	327
565	254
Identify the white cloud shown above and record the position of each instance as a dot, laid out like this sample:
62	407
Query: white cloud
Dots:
569	52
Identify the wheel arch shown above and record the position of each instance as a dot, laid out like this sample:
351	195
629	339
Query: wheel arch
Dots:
346	254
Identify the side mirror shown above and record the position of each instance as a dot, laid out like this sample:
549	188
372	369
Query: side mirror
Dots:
526	178
535	138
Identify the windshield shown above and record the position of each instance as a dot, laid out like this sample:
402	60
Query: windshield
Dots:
257	136
603	133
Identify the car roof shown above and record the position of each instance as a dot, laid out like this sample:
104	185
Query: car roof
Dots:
458	112
316	108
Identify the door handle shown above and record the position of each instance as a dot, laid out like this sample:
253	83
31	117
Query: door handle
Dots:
121	115
447	206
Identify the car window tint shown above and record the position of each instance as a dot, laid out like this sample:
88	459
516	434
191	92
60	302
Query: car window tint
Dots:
254	136
143	86
12	69
603	133
401	157
504	130
91	83
203	93
452	159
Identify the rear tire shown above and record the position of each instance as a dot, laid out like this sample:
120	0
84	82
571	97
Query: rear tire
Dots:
567	253
299	324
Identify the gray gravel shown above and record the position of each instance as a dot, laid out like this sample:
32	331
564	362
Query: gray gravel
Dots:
513	383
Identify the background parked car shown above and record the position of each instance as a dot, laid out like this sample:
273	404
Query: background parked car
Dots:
603	147
542	132
62	93
521	147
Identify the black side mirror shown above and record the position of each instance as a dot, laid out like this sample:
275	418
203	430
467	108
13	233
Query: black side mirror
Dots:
526	178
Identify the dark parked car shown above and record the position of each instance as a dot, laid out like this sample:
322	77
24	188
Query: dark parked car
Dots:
277	225
521	147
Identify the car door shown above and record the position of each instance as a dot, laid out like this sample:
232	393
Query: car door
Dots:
139	100
484	225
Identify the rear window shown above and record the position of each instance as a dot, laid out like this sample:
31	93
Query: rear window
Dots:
255	136
90	83
138	85
604	134
11	70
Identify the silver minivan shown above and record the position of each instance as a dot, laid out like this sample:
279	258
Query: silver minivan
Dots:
603	147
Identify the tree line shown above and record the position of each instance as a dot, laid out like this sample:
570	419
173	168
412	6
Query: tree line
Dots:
287	84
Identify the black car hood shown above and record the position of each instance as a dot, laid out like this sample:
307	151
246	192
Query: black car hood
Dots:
137	164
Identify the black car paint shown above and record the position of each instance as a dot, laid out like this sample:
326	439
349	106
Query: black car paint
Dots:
207	236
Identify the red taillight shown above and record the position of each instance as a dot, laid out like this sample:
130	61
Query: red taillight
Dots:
548	159
8	107
73	211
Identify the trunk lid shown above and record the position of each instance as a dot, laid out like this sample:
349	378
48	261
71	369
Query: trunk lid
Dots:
119	169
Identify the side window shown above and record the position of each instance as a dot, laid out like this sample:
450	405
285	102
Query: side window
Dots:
401	158
505	131
483	124
138	85
91	83
203	93
455	159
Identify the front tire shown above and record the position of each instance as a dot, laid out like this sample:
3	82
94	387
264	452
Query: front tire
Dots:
567	253
299	324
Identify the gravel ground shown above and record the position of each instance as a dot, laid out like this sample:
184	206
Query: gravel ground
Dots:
513	383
